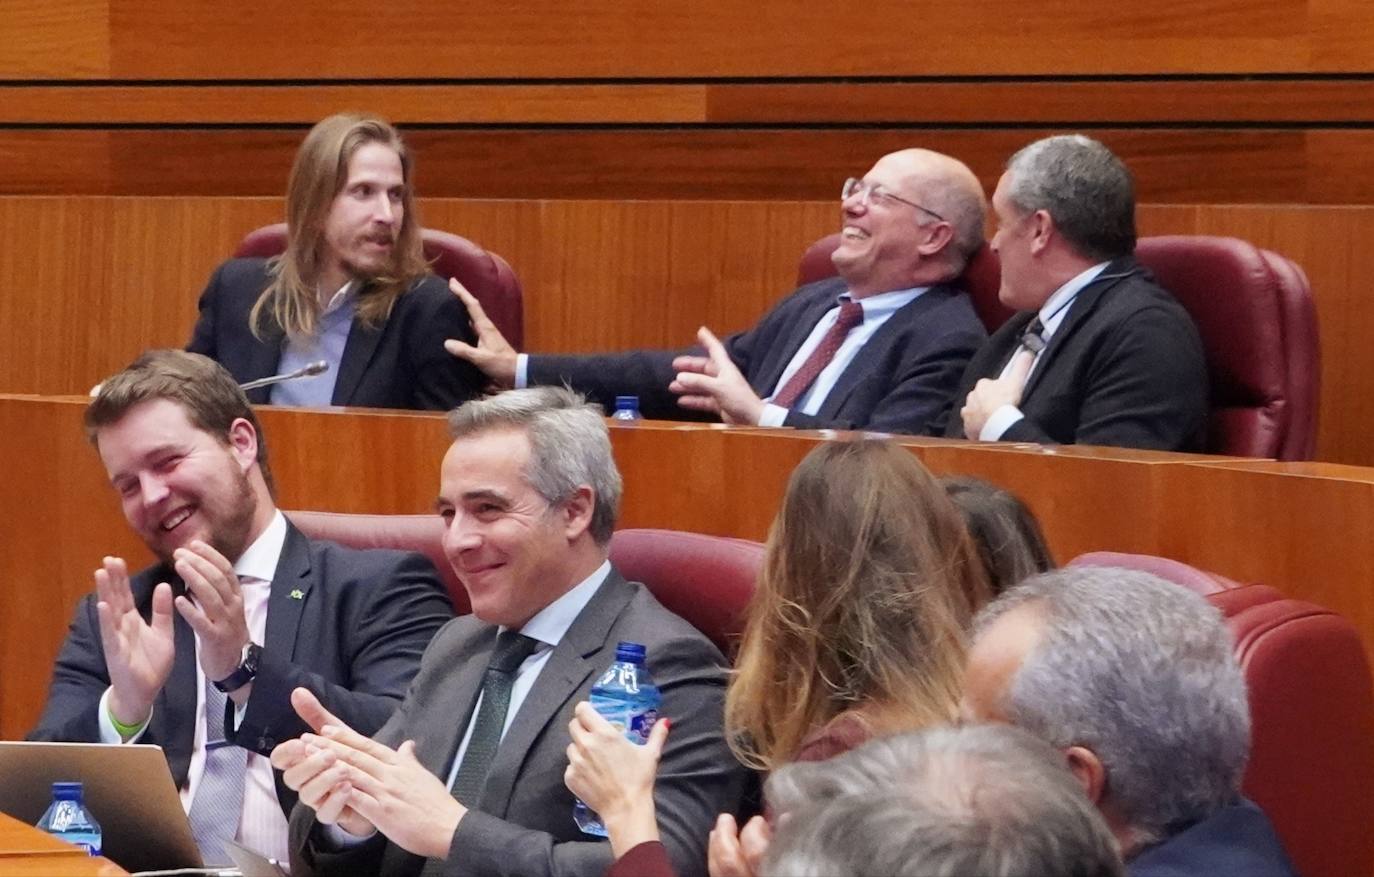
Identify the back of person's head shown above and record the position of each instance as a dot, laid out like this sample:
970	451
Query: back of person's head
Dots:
318	175
1085	189
1004	531
570	445
1142	673
868	585
202	387
989	800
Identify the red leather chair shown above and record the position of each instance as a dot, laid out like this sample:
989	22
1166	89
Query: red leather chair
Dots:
487	276
708	580
1254	311
1312	710
1258	323
705	579
981	278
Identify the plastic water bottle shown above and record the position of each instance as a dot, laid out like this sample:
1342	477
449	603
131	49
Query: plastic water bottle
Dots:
626	697
627	408
67	818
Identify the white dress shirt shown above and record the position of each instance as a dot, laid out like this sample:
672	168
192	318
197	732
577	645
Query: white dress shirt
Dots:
1052	314
262	826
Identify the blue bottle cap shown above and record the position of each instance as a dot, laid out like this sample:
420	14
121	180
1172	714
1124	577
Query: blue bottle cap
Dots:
632	652
623	403
68	791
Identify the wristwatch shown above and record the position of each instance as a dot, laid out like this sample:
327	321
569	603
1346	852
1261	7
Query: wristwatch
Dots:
247	669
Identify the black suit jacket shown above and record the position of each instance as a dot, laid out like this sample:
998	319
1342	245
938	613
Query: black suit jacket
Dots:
1125	368
400	364
523	821
903	379
348	625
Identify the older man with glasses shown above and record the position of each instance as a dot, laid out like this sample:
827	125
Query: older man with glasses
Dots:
881	347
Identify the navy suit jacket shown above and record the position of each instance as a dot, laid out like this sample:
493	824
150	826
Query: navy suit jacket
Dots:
522	822
1237	839
1125	368
903	379
349	625
400	364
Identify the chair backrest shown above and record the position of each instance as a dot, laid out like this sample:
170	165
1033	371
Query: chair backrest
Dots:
1312	711
486	275
705	579
1254	311
981	278
708	580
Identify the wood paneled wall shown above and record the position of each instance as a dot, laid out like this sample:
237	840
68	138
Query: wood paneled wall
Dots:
90	282
559	39
1254	521
1202	165
1212	101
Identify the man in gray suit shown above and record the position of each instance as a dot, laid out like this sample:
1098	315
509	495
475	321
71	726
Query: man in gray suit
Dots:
467	777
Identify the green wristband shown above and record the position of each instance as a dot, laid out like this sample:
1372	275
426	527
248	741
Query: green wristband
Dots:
124	730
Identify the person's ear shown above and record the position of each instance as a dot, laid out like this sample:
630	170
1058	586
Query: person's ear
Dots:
577	512
243	443
1088	769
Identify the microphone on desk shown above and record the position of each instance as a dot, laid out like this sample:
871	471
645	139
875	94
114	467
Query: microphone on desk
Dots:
318	367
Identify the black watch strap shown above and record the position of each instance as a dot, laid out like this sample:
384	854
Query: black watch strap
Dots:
245	672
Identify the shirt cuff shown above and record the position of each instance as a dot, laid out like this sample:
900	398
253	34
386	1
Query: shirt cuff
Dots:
343	839
1003	419
522	370
108	734
772	415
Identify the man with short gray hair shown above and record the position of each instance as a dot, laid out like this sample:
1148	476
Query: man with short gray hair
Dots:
467	777
990	800
1136	681
1099	353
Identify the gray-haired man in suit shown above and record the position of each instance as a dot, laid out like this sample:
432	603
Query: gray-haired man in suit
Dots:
467	777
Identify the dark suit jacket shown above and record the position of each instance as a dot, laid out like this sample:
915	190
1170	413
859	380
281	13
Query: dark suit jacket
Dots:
354	637
523	821
1125	368
902	380
400	364
1235	840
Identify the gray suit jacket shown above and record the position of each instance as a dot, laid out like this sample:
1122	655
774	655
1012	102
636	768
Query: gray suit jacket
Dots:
523	823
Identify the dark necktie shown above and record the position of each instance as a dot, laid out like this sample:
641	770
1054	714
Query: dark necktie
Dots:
512	648
851	315
1032	338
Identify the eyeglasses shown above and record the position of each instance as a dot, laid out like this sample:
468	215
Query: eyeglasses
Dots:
875	194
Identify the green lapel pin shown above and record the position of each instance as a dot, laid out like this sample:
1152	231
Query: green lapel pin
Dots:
298	594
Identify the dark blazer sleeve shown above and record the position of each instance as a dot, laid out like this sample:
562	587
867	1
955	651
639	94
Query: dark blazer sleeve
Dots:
79	679
203	334
603	376
386	634
1145	388
430	315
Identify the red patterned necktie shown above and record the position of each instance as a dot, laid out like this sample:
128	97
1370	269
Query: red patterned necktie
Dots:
851	315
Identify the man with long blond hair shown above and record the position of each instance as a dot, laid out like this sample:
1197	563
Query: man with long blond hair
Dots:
352	287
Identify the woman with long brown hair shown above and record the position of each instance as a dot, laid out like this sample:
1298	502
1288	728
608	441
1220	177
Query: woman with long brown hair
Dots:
856	629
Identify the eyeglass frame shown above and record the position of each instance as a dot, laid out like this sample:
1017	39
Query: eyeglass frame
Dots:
857	184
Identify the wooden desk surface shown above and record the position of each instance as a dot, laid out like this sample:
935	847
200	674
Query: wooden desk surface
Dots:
25	850
1301	527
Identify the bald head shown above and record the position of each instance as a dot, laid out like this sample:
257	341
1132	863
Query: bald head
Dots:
916	221
952	190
